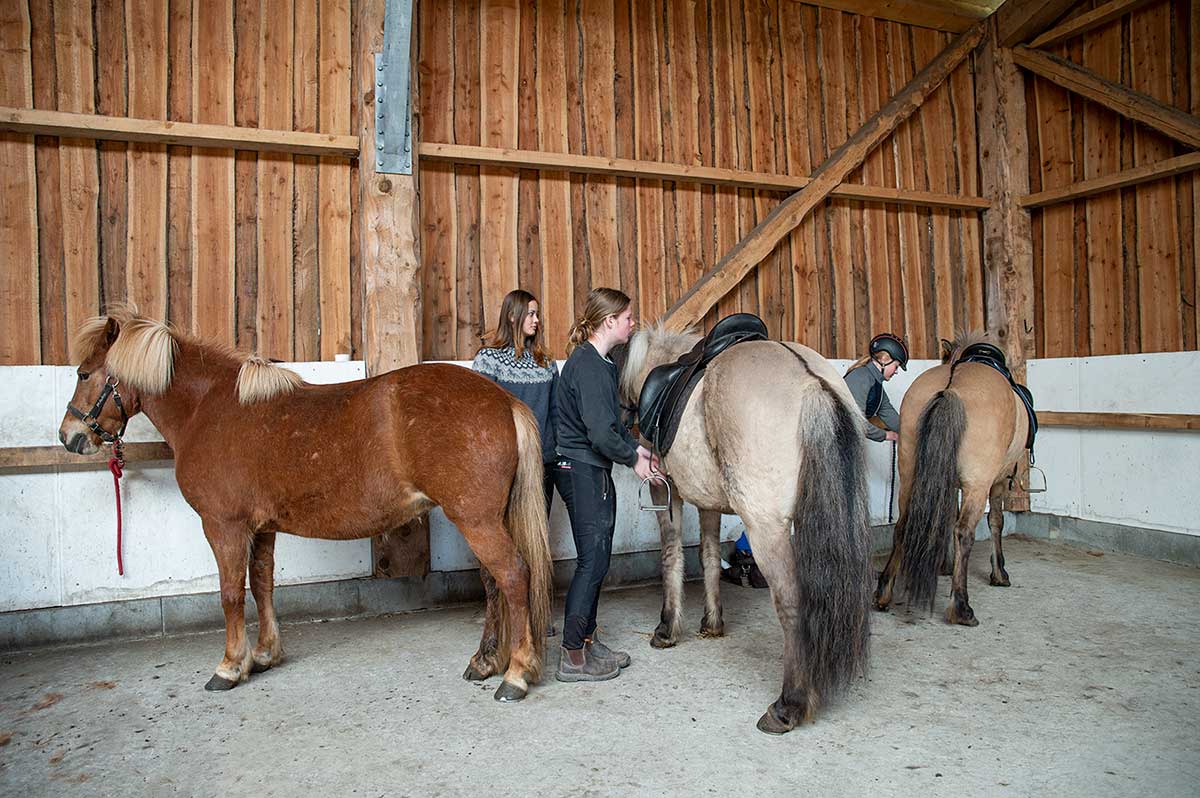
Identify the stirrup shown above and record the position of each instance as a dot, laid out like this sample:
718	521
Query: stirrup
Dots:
1030	487
651	507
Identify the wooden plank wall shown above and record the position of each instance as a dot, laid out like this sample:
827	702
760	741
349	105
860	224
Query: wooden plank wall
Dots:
1117	272
769	85
252	249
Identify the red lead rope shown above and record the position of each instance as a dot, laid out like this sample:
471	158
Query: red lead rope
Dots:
116	464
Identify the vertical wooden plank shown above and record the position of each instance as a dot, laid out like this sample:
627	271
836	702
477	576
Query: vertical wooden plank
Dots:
109	17
1053	116
706	135
626	144
500	27
935	123
306	288
1194	92
911	250
600	138
684	97
275	283
797	161
1183	53
146	264
79	177
213	175
529	258
468	288
48	265
874	224
554	188
834	89
179	166
725	144
1081	343
651	252
962	90
740	21
333	247
855	114
888	151
1157	251
438	230
247	72
759	56
20	339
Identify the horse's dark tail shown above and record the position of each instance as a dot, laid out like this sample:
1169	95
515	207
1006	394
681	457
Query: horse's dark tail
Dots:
830	545
933	498
527	525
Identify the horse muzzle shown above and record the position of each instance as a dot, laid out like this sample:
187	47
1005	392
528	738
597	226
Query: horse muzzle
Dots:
77	441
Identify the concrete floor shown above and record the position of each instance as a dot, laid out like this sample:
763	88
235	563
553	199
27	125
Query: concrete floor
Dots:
1082	679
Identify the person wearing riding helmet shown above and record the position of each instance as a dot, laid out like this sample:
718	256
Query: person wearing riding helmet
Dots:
866	377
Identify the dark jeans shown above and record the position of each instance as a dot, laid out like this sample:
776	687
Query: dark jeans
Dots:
591	503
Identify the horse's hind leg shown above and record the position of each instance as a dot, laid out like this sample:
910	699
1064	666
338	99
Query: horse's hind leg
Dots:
230	545
713	624
887	577
999	576
959	611
269	650
486	661
670	625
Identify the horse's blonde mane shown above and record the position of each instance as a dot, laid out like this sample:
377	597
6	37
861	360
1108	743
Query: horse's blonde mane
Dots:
143	356
259	379
653	338
962	341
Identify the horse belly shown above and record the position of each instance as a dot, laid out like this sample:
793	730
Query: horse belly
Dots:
690	462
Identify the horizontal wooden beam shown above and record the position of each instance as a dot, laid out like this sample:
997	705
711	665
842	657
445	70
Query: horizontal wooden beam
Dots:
787	215
157	131
1160	421
683	173
45	456
1123	179
954	16
1101	15
1134	105
1020	20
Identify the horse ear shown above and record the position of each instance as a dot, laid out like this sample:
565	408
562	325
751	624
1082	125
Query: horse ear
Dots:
947	348
111	330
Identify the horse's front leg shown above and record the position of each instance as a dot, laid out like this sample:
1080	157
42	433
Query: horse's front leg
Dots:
670	532
269	650
230	545
713	624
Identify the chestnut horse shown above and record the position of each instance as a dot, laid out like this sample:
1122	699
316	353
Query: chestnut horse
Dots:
961	426
772	434
259	451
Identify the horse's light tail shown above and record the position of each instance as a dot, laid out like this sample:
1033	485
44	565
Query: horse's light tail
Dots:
527	525
831	546
933	497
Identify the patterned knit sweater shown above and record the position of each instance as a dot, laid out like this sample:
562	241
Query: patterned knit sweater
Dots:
534	385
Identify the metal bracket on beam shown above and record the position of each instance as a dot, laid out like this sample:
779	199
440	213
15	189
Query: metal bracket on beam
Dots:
393	100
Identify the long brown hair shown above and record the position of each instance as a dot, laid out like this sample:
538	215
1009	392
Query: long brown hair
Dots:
601	303
508	328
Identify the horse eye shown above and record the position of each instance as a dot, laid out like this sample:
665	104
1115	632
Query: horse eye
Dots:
83	375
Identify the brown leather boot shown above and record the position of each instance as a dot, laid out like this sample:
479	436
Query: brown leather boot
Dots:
601	651
580	665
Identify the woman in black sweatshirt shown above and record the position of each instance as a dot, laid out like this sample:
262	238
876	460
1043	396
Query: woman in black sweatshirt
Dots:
590	438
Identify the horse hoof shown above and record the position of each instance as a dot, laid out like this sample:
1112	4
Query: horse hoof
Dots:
1001	582
473	674
661	642
967	619
507	692
712	631
881	606
220	683
259	667
769	724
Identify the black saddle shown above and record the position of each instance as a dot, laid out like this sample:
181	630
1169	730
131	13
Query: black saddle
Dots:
992	355
667	387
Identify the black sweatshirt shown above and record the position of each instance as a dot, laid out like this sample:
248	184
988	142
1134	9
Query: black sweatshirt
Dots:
589	417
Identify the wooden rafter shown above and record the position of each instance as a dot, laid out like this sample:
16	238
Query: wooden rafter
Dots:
158	131
1101	15
683	173
1134	105
954	16
1128	177
1019	21
786	216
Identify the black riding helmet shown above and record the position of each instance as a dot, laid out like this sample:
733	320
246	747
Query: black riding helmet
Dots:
893	345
